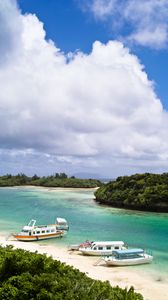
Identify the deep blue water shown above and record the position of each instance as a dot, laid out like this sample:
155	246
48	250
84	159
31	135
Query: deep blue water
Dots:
87	220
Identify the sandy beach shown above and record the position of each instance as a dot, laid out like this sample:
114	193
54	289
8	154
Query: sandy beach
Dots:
53	189
151	288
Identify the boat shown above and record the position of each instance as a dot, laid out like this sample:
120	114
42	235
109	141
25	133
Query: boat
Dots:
128	257
62	224
102	248
33	232
75	247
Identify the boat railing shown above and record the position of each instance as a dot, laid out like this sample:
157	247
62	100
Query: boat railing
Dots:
148	251
45	226
32	223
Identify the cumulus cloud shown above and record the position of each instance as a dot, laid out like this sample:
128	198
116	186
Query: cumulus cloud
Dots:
10	31
95	111
145	21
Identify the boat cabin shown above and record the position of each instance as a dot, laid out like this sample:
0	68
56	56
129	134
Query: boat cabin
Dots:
128	253
31	229
114	245
102	248
61	224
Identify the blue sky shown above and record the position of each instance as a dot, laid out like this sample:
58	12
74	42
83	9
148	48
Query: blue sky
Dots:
66	24
83	86
72	28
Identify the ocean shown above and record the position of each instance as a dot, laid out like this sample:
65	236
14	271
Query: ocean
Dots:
87	220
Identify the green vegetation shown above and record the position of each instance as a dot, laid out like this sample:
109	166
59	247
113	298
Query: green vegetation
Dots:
57	180
140	191
31	276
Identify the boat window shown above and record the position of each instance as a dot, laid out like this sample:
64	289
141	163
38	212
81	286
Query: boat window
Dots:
25	231
38	232
116	247
34	232
43	231
52	230
100	248
108	248
47	230
94	248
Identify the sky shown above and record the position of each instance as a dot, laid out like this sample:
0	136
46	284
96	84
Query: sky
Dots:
83	87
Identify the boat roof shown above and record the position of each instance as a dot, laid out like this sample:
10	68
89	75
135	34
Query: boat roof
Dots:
61	220
108	243
39	227
27	227
128	251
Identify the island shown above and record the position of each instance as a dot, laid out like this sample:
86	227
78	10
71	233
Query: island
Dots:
56	180
146	192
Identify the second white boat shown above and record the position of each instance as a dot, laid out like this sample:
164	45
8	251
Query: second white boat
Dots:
102	248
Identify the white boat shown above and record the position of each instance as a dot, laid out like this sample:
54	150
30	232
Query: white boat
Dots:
128	257
62	224
102	248
32	232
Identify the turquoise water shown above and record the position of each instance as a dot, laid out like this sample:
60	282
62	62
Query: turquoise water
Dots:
87	220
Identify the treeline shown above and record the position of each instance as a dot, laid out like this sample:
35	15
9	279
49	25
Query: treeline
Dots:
25	275
56	180
148	192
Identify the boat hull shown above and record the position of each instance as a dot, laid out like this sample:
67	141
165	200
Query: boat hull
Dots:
95	252
31	238
129	262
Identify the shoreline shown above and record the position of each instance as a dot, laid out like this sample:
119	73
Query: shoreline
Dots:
73	189
48	188
151	288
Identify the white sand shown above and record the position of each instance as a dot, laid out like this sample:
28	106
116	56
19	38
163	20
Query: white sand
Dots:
151	288
53	189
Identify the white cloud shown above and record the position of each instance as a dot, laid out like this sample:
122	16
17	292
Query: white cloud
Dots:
102	8
146	21
93	112
152	37
149	21
10	32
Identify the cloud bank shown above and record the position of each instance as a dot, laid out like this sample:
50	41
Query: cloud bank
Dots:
144	22
95	112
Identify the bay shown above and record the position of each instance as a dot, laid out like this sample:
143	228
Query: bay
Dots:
87	220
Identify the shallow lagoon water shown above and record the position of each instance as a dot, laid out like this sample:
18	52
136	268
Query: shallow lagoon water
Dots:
87	220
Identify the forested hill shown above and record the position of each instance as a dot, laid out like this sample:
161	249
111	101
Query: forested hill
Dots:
148	192
57	180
